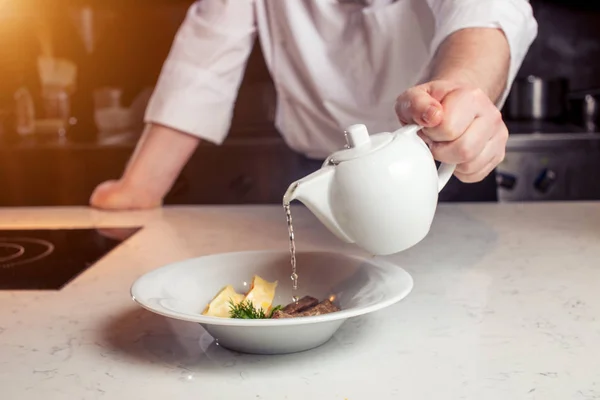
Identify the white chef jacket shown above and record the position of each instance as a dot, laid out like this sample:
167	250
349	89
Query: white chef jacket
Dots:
334	63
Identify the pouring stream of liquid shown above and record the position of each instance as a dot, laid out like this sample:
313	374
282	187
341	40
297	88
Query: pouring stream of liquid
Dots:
294	276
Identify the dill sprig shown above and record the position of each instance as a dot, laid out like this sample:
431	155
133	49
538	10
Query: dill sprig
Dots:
245	310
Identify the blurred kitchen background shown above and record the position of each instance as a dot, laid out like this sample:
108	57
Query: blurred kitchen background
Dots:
75	77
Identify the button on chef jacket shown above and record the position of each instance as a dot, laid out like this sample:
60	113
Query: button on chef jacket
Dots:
334	63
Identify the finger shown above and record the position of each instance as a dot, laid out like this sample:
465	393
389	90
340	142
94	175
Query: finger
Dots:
468	146
427	141
461	107
494	150
439	89
477	176
417	106
478	168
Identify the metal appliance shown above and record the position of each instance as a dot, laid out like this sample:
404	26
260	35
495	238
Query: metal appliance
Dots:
535	98
549	162
584	107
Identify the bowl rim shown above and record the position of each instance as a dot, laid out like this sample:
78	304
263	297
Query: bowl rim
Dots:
338	315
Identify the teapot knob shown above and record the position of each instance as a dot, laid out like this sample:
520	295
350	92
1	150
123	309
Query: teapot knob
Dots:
357	135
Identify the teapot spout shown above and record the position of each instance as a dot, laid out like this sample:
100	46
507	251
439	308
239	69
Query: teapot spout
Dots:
313	192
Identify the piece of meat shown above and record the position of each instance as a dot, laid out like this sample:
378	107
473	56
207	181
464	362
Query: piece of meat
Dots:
281	314
308	306
324	307
303	304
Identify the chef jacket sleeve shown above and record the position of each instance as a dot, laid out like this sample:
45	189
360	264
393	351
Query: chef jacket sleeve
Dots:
514	17
199	81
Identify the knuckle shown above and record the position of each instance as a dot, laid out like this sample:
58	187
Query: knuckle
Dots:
468	168
504	134
406	101
465	153
402	108
408	93
501	157
401	99
477	93
450	130
496	116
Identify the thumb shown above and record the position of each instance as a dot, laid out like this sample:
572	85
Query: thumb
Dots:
417	106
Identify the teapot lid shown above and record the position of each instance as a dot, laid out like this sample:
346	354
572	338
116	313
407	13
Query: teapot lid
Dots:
359	143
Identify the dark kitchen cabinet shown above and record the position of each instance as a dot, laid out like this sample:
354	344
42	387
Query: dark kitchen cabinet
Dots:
47	176
241	173
235	173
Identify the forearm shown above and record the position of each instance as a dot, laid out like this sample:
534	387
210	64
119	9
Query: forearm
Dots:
477	57
158	159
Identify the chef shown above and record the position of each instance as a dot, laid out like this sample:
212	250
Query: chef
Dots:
444	64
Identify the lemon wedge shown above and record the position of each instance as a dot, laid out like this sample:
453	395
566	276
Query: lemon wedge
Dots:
261	293
219	305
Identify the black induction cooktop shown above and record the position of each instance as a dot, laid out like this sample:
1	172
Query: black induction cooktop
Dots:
48	259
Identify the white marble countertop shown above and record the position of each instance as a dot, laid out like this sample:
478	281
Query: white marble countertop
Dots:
505	306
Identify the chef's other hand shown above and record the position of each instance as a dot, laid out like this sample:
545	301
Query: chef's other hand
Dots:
462	126
116	195
158	159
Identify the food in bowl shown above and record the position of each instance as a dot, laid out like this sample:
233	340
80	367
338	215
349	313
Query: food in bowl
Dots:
257	303
307	306
361	285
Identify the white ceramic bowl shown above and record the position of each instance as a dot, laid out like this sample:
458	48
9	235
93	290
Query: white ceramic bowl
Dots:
360	285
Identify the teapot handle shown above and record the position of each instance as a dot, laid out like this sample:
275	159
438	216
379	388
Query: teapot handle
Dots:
445	171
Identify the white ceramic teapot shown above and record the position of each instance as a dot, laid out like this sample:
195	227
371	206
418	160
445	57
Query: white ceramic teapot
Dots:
380	192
